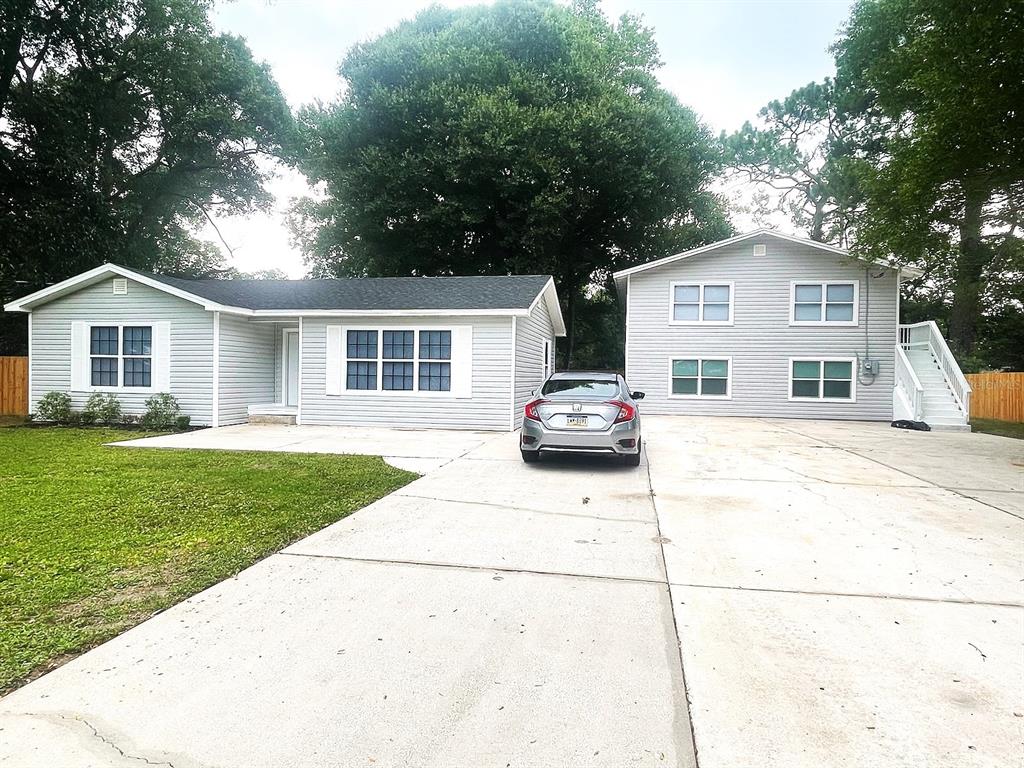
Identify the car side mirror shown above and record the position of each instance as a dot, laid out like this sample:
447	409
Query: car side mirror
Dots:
637	395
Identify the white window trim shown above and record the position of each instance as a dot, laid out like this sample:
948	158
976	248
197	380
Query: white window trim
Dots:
824	300
547	364
380	360
120	356
821	379
700	361
700	303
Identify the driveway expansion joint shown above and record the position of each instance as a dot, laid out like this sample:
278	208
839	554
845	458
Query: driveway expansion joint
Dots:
523	509
868	595
483	568
672	610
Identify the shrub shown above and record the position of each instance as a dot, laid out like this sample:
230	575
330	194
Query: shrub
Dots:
74	419
54	406
162	411
105	409
182	422
129	418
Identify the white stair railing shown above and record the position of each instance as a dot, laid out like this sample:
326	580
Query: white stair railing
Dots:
926	335
909	385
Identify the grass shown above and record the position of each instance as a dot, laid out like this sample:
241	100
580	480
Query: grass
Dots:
1001	428
95	539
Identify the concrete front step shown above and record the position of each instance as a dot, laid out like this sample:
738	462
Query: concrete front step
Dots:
272	418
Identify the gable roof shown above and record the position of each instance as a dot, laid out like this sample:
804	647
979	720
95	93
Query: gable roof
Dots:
488	295
621	275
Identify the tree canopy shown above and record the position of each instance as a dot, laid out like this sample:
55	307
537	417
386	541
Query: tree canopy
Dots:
941	85
524	137
125	125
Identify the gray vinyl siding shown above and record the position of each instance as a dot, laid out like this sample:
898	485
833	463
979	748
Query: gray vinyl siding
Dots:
191	343
761	341
247	366
487	409
531	332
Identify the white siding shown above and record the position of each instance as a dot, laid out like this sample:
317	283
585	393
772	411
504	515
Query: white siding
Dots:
191	343
488	408
247	366
531	333
761	341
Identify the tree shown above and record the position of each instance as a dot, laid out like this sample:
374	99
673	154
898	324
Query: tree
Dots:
521	137
802	154
944	173
124	125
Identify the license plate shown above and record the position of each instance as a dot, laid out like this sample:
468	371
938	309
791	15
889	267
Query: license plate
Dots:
575	421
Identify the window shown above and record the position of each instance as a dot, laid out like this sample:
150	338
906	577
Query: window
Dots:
582	387
701	303
546	364
125	350
824	303
821	379
361	351
407	360
699	377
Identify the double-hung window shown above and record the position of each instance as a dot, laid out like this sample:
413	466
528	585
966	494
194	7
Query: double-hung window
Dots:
405	359
823	303
825	379
701	377
704	303
121	356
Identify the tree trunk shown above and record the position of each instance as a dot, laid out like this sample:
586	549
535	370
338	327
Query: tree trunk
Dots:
818	221
968	274
570	327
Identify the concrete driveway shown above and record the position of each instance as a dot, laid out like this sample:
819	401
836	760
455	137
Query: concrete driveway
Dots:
843	594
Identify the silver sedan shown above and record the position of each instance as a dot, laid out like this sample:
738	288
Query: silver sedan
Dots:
583	412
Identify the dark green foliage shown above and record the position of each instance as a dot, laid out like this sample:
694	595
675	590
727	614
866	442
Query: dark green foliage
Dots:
102	409
125	124
54	406
939	86
525	137
162	411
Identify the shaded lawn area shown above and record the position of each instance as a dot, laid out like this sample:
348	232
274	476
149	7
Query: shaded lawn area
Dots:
1001	428
95	539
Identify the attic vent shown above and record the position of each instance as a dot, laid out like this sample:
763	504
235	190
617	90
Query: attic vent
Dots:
760	249
120	286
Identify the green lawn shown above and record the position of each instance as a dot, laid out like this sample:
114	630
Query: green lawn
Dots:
95	539
1002	428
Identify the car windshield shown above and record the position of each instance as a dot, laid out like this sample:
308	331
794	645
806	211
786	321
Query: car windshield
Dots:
581	388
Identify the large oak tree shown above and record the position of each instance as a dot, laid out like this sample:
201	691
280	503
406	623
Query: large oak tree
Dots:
124	126
526	137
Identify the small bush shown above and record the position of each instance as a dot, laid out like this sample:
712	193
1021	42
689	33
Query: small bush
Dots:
54	406
105	409
129	418
162	412
74	419
182	422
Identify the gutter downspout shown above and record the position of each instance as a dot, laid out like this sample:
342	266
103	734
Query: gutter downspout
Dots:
298	380
512	382
215	404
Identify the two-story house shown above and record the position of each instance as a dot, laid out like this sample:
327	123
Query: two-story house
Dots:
766	324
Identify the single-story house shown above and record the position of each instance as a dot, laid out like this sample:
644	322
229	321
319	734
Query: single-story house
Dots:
766	324
451	352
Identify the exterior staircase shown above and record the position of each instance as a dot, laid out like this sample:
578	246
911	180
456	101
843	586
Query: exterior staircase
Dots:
930	386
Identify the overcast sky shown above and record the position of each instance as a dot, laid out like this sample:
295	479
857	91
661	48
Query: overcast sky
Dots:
723	58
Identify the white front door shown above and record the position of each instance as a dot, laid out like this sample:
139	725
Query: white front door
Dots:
290	380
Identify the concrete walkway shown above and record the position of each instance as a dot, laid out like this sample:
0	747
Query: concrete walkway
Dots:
488	614
846	594
837	594
416	450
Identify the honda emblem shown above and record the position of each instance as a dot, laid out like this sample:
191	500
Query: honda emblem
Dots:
577	407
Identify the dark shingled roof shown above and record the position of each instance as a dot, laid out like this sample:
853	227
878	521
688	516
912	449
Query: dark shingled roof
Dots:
375	293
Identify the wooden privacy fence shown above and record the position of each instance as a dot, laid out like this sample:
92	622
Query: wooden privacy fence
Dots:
997	396
13	386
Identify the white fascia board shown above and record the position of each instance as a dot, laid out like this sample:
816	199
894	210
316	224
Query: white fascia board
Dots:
550	296
28	303
622	274
383	312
